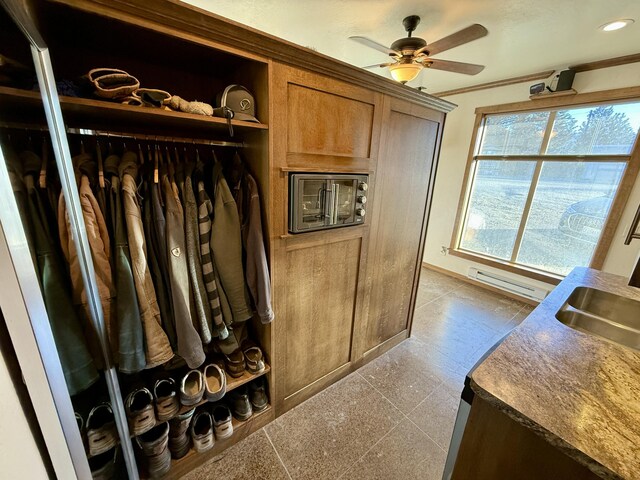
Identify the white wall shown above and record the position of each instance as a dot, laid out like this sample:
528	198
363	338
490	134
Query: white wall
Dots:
453	157
19	454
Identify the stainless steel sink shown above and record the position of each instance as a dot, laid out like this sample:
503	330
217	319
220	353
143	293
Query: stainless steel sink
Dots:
603	314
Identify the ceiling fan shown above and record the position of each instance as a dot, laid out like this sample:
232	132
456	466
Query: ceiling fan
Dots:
411	54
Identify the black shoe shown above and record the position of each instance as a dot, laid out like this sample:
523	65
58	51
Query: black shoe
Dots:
258	395
240	404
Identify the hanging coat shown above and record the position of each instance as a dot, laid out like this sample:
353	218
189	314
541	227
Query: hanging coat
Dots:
158	349
131	351
226	245
77	365
189	343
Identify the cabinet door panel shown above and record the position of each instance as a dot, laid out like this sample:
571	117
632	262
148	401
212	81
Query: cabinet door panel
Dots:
328	124
401	189
319	310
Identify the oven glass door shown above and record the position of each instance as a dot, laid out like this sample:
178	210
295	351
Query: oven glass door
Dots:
313	198
344	195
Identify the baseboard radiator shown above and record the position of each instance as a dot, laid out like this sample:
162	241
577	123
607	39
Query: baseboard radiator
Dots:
508	284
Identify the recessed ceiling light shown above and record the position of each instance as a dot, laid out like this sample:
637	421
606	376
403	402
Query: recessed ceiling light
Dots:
616	25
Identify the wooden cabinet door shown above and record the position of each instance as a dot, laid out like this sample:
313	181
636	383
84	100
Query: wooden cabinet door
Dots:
318	314
318	124
403	184
330	125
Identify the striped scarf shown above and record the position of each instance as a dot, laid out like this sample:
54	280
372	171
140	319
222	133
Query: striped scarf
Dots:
205	209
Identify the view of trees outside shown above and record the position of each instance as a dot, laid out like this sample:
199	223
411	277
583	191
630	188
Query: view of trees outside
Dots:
572	198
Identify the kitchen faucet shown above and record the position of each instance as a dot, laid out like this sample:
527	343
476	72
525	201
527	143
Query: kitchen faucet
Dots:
634	279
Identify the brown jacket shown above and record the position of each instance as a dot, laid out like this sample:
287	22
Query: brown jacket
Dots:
157	346
98	238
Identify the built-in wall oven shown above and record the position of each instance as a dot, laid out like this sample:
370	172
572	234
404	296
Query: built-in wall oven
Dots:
318	201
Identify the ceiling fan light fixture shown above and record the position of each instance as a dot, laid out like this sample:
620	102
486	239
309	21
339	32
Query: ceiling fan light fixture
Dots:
405	72
616	25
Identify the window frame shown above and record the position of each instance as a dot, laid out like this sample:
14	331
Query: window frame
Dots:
553	103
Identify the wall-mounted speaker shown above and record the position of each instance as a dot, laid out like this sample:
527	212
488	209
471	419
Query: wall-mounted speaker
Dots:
565	80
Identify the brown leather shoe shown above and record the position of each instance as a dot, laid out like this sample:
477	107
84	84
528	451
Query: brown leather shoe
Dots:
166	396
235	363
240	404
101	429
139	408
258	395
254	358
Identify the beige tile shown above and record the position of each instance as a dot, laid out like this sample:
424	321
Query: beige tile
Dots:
436	415
490	309
434	285
451	327
253	457
325	435
436	280
401	455
404	375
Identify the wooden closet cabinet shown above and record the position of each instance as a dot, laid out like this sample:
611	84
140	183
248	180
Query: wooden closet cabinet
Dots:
320	125
405	176
343	296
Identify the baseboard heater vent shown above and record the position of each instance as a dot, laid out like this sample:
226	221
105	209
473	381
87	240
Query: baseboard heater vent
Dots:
508	284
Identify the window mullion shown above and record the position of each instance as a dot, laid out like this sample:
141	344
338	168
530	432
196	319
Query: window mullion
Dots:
534	183
525	212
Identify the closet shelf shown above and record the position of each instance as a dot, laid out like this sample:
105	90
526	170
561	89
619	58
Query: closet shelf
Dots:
105	115
241	430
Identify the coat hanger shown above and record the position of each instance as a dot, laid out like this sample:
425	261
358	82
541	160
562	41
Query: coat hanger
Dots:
156	159
43	166
100	164
109	146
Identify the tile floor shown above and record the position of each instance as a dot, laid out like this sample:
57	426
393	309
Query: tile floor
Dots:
392	418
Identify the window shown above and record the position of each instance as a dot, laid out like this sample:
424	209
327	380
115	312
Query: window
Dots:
542	184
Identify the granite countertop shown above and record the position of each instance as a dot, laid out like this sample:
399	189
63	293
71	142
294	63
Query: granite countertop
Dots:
580	392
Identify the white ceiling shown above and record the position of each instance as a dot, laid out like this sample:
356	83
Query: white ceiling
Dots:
525	36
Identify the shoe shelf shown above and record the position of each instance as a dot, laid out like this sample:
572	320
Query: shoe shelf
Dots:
106	115
241	430
232	384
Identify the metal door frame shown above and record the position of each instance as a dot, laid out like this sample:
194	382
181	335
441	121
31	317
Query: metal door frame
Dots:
29	328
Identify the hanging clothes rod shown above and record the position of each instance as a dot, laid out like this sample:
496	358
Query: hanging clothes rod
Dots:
131	136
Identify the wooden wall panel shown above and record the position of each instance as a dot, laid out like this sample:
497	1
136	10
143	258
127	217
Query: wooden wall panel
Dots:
318	316
327	124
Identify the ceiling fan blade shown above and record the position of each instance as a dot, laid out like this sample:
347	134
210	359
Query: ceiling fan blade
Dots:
375	45
378	65
456	67
465	35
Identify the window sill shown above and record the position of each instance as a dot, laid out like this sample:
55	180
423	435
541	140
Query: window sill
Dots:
508	266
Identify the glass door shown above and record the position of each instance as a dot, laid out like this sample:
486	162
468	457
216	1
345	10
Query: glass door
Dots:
311	202
345	200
